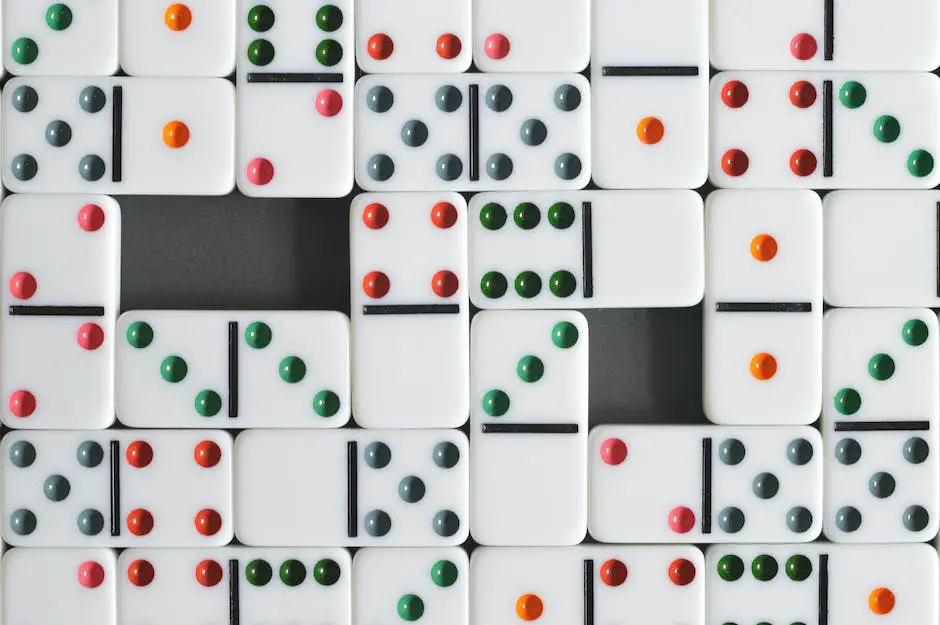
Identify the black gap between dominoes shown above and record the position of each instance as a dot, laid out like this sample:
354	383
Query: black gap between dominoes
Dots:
352	489
587	250
114	460
589	592
294	77
829	27
823	601
764	307
412	309
234	603
474	132
57	311
667	71
707	485
117	132
882	426
827	129
529	428
232	369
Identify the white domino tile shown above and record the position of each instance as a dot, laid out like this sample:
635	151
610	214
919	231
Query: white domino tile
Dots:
763	307
473	132
212	369
830	130
60	256
713	484
157	136
589	584
116	488
404	488
528	426
586	249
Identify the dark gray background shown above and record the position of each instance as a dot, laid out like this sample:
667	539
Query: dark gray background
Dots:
235	252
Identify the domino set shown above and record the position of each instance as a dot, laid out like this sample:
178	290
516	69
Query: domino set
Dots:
431	456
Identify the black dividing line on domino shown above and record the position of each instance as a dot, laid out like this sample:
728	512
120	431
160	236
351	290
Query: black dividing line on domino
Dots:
117	132
474	133
882	426
707	485
352	489
827	129
938	249
587	249
666	71
589	592
232	369
412	309
823	601
764	307
529	428
234	603
114	460
57	311
829	27
294	77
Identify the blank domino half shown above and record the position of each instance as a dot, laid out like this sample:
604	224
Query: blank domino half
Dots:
473	132
827	34
882	248
410	311
75	586
650	94
227	369
117	488
232	585
763	307
395	488
529	384
156	136
588	249
831	130
60	259
826	584
588	585
711	484
190	38
295	70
